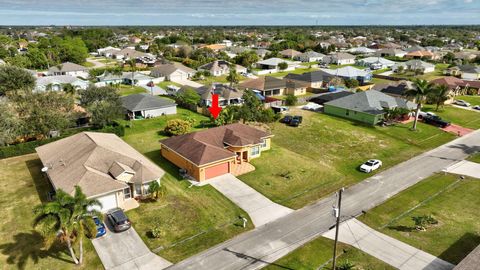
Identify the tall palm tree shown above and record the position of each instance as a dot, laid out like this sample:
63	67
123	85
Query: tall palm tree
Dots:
419	92
56	221
440	94
233	77
83	221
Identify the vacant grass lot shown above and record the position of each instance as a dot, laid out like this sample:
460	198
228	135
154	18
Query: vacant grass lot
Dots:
201	213
324	153
125	90
437	73
21	247
317	254
458	229
165	84
461	117
295	71
473	100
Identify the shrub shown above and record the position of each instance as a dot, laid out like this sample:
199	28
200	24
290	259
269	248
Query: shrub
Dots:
291	100
423	222
156	232
177	127
117	129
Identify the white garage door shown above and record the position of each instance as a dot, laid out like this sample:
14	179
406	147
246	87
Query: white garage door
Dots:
177	77
108	202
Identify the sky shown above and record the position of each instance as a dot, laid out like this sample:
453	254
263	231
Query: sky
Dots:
239	12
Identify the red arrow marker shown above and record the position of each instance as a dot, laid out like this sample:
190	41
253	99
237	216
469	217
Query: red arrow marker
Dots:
215	109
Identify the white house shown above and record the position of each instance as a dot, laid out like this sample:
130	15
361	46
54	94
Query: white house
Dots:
57	83
271	65
390	52
68	68
413	65
309	56
140	106
339	58
470	72
375	62
221	67
172	72
361	50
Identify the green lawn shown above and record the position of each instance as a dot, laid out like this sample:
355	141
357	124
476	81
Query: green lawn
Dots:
475	157
218	79
88	64
438	73
454	206
464	118
323	154
379	81
333	66
473	100
198	212
378	71
21	247
317	254
165	84
126	90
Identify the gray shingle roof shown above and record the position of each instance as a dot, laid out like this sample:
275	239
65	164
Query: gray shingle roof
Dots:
372	102
139	102
67	67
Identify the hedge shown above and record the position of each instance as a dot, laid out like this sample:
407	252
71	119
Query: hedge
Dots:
29	147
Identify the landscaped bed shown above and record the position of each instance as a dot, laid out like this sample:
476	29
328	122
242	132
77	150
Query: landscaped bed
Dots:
317	254
323	154
21	247
450	200
191	219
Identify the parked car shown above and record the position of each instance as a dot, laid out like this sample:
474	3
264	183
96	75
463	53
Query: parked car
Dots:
436	121
298	117
371	165
462	103
476	107
295	122
118	220
101	230
286	119
421	114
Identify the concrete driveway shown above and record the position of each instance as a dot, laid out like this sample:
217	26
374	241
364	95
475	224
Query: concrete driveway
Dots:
126	250
189	83
465	167
260	209
386	248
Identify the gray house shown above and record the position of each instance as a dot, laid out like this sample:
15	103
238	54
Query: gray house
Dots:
140	106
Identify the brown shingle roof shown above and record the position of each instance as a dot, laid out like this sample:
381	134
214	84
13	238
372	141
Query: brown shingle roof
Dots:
208	146
451	82
85	159
264	83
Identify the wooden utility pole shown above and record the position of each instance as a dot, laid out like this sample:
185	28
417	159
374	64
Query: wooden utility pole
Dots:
336	212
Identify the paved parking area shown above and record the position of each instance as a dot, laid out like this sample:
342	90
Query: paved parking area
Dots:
260	209
125	251
386	248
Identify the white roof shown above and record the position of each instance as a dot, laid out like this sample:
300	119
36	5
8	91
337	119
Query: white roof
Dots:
373	60
360	50
61	79
347	71
275	61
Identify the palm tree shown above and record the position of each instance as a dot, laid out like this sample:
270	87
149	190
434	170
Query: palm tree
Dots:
419	92
56	220
83	213
133	65
440	94
233	77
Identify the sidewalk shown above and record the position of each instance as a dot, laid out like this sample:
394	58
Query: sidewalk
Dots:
465	167
386	248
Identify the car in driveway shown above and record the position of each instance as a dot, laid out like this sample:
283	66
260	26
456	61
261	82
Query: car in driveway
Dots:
460	102
421	114
436	121
286	119
118	220
476	107
295	122
371	165
101	229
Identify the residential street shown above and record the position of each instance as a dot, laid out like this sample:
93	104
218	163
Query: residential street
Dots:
257	248
386	248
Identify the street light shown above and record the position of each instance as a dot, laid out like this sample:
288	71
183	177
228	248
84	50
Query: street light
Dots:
336	214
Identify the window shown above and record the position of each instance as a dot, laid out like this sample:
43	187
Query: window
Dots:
255	151
347	112
138	189
264	143
126	193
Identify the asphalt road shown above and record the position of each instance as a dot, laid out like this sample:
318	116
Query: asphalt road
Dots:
265	244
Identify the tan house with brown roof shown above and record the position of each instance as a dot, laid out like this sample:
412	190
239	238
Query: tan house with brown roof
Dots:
103	165
216	151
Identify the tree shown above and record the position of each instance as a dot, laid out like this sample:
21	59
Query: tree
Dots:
283	66
439	95
246	59
291	100
188	96
103	103
352	83
156	189
10	124
400	69
419	92
228	115
233	77
13	79
251	108
176	127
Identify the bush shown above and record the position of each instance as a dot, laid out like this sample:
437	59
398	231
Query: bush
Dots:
291	100
177	127
156	232
117	129
23	148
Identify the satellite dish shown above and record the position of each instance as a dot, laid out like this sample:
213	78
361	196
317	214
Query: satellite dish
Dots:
44	169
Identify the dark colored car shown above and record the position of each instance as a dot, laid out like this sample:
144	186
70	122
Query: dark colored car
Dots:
287	119
101	230
119	220
436	121
298	117
295	122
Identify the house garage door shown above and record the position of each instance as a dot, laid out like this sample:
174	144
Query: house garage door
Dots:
177	77
216	170
108	202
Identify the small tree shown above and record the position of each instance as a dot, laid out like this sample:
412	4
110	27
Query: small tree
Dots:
283	66
176	127
13	79
423	222
233	77
103	103
345	265
156	189
188	97
291	100
400	69
352	83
